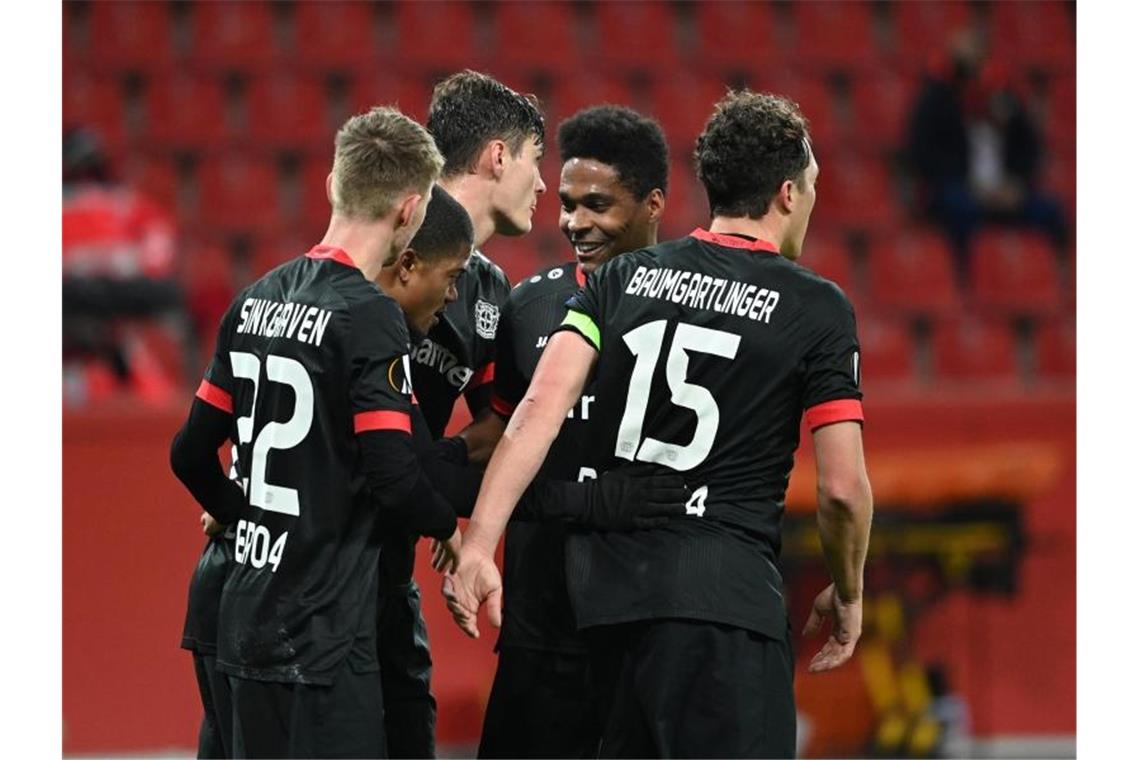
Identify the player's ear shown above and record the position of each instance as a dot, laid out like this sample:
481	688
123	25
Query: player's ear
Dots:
496	153
328	188
407	210
785	199
655	204
405	263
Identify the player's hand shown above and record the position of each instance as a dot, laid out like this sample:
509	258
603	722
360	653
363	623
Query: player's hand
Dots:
635	497
477	581
846	626
445	554
210	526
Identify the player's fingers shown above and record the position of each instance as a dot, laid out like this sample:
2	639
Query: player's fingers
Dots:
495	608
814	621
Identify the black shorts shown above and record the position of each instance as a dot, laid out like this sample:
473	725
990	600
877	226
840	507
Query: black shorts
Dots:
302	720
405	672
691	688
540	706
216	732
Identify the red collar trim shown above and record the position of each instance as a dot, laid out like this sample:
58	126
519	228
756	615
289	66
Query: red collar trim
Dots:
580	276
732	241
328	252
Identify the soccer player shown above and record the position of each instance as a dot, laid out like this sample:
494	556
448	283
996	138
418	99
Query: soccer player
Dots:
491	138
706	352
310	381
615	166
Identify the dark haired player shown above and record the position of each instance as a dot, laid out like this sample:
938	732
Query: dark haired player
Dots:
491	138
615	167
713	347
309	381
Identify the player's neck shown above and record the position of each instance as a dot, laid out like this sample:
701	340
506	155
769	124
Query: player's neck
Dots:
473	194
766	228
366	243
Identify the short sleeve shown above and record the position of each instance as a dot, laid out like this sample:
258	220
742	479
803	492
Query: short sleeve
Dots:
380	377
217	386
584	309
831	389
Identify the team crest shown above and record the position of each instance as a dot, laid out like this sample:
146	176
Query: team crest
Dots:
486	319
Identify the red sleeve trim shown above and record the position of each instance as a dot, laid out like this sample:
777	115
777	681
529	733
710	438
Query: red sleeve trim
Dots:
215	396
501	406
841	410
483	376
382	420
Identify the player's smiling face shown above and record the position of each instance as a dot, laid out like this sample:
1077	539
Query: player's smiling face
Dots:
516	195
599	215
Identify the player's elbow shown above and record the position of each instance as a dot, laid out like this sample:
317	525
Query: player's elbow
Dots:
181	458
845	494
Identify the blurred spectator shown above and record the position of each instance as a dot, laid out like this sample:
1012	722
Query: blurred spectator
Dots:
118	279
976	152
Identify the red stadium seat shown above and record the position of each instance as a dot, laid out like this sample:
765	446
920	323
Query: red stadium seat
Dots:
315	208
1015	272
686	205
816	102
881	102
829	258
284	109
336	34
682	105
1037	33
1060	117
1061	178
186	111
536	36
133	34
656	32
96	102
1057	349
518	256
411	95
971	349
735	36
234	34
886	350
238	193
854	193
155	176
578	92
923	28
912	273
834	34
437	36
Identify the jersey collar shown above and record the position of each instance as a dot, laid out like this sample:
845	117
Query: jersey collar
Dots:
732	241
329	252
580	276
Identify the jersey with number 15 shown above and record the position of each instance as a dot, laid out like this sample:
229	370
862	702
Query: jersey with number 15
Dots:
307	357
712	347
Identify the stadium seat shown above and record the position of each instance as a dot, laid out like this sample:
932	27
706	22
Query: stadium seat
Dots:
95	101
732	36
817	103
285	109
922	28
315	207
834	34
537	36
1060	177
577	92
437	37
411	95
237	193
881	101
856	193
335	35
519	256
686	205
971	349
272	251
829	257
656	32
1060	117
234	34
186	111
682	105
1015	272
912	273
1056	349
886	350
155	176
1036	34
135	35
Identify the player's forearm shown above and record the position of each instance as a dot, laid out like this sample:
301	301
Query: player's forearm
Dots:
194	460
845	529
482	436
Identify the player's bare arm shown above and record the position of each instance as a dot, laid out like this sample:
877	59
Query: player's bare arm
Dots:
558	382
845	509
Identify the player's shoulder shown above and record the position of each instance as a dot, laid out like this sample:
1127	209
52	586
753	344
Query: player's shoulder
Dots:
485	275
552	281
818	288
372	311
622	267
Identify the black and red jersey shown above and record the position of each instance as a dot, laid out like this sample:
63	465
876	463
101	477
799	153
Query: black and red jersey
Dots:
307	357
458	354
712	349
536	608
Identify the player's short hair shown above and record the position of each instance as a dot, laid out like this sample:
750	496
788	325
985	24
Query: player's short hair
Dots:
469	109
751	145
446	228
380	154
632	144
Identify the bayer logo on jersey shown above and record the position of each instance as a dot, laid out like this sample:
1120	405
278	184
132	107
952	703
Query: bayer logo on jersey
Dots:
400	375
486	319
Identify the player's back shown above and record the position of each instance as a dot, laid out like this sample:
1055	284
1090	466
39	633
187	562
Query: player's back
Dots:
309	346
711	348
